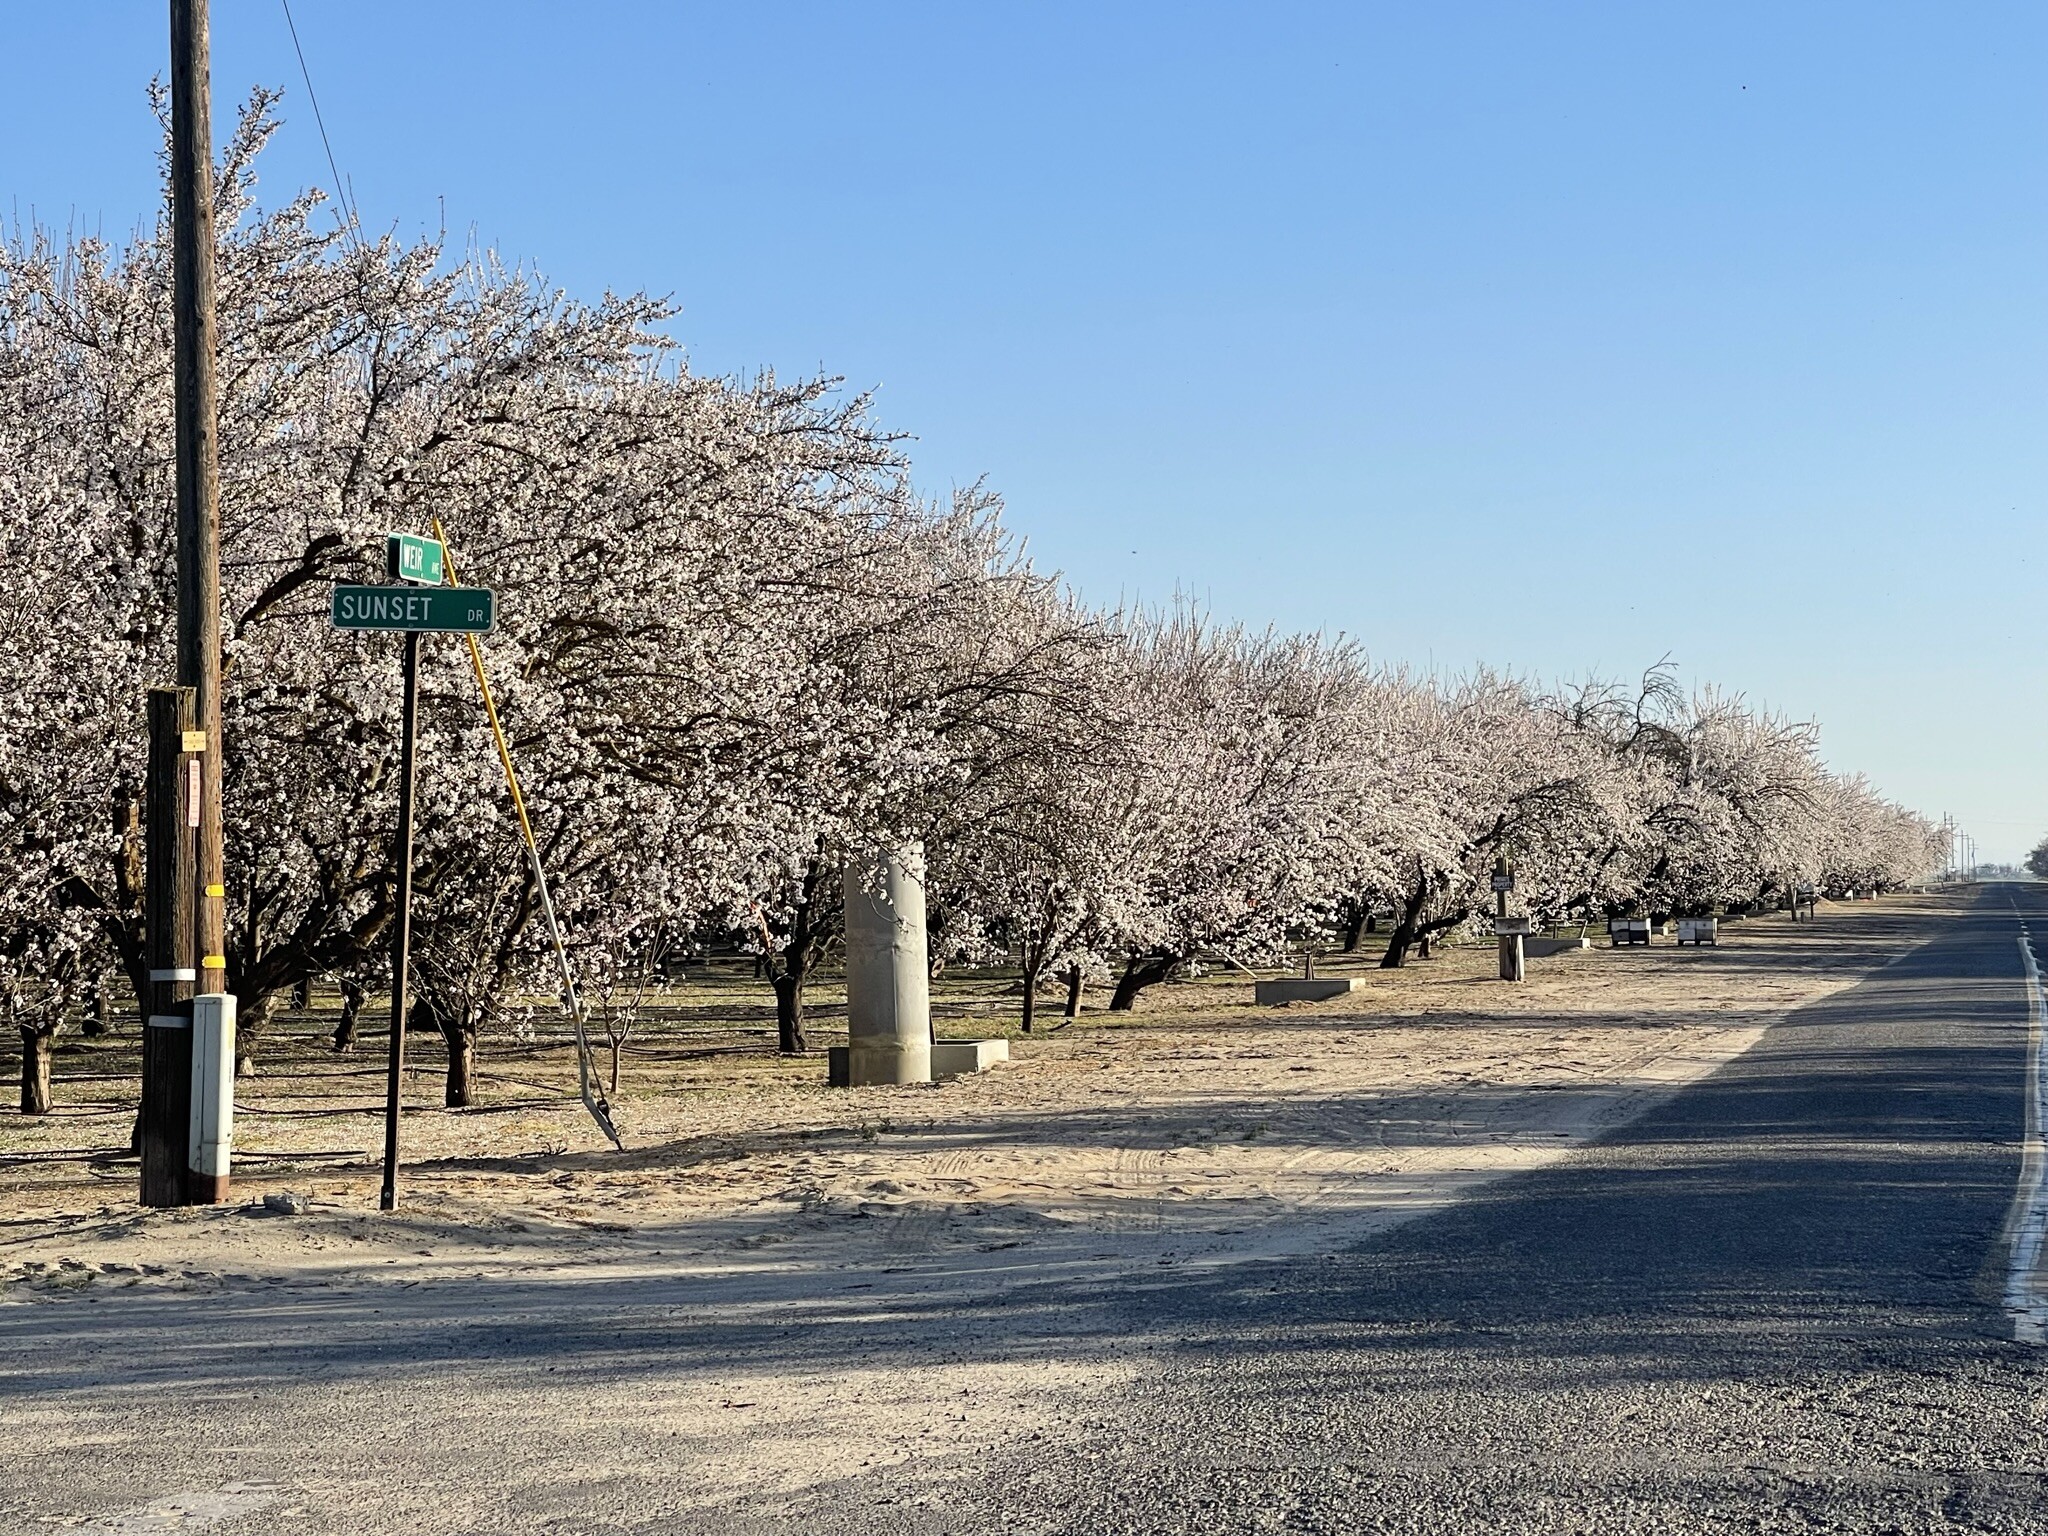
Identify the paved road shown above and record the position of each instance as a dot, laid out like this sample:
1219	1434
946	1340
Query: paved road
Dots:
1775	1304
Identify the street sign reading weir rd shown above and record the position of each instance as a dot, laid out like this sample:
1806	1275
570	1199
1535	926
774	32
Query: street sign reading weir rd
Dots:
454	610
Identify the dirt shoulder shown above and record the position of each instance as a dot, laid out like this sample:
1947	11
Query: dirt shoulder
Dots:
1202	1129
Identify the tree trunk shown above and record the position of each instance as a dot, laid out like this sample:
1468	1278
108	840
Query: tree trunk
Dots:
796	957
1354	928
461	1042
1423	947
1074	991
250	1022
302	994
1140	972
35	1069
97	1010
352	998
1427	932
1408	925
459	1037
789	1013
1032	963
617	1045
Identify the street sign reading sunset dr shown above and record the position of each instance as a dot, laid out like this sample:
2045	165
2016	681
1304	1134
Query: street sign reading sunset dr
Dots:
408	557
452	610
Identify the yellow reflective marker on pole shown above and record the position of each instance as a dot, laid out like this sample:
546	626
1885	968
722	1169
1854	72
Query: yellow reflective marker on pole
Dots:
593	1100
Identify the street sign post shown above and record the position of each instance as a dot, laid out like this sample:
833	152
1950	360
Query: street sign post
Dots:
440	610
401	939
411	611
408	557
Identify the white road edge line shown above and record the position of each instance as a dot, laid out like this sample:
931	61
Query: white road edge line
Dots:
2028	1221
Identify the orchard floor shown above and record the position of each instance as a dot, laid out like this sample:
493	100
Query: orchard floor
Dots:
781	1296
1201	1129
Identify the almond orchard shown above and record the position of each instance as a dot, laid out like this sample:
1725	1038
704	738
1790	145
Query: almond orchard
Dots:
737	647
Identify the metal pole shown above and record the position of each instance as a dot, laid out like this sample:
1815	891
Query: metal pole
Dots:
401	941
194	343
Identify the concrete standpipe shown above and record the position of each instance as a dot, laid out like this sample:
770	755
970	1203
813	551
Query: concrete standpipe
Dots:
888	980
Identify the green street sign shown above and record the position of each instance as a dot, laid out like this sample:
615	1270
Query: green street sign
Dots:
455	610
411	558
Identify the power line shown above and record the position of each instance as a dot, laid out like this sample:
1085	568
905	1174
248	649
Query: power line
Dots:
350	222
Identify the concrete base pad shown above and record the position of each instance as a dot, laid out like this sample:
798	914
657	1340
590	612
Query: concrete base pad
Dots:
1537	949
1296	989
951	1058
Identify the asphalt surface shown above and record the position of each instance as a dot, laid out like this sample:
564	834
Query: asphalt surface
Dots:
1777	1303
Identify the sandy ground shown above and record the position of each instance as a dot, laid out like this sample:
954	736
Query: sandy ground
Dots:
766	1260
1202	1129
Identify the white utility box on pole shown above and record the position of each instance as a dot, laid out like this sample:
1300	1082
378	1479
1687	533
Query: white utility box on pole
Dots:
213	1094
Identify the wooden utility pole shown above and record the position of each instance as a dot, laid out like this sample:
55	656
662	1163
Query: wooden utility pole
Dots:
183	882
167	1012
194	342
401	939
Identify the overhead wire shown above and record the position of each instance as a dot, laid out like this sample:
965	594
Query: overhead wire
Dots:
593	1098
348	212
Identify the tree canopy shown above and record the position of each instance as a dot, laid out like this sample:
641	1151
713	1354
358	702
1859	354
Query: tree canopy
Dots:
737	647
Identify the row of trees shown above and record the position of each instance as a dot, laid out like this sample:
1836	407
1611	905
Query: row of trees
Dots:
736	646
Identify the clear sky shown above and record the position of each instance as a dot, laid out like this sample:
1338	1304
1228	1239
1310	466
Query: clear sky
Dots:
1560	336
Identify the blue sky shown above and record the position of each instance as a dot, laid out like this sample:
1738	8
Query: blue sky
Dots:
1558	336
